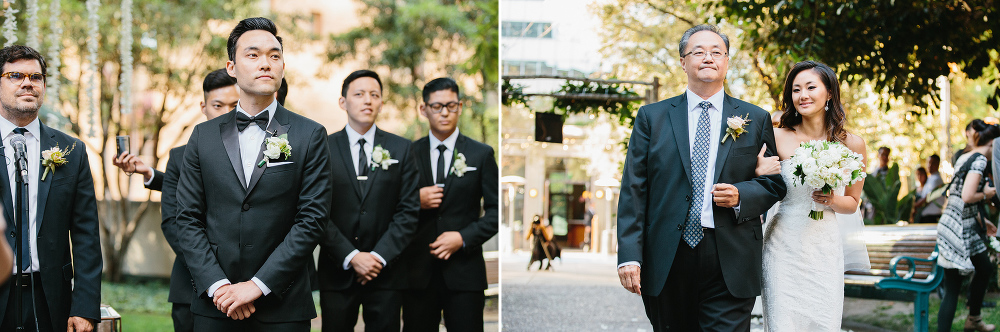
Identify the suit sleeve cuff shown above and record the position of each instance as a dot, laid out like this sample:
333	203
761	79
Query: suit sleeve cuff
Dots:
261	285
737	209
150	181
215	287
629	263
380	259
347	261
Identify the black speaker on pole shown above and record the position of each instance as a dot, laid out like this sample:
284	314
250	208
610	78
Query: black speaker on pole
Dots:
548	127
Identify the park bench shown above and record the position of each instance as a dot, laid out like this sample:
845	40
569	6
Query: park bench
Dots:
904	260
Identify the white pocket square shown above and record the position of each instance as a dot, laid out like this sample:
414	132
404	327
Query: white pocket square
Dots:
270	164
470	169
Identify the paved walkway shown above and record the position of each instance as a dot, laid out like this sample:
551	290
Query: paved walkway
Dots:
583	294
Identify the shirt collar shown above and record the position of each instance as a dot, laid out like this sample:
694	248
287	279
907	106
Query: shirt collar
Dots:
353	135
270	110
694	100
7	128
448	142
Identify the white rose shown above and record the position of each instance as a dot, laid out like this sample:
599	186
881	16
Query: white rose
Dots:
272	152
735	122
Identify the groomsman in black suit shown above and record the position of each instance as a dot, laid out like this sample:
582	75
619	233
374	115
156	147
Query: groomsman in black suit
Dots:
60	245
252	199
221	96
458	212
373	215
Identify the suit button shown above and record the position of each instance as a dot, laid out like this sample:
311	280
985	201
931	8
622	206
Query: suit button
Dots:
355	238
680	227
12	234
363	212
248	245
687	198
246	206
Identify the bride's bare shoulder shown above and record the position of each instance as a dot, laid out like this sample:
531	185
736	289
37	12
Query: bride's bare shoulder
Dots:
782	132
856	144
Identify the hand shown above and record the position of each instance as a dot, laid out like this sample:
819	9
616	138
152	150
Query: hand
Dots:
133	164
629	276
446	244
366	266
79	324
243	312
725	195
430	197
820	198
991	229
767	165
235	296
989	192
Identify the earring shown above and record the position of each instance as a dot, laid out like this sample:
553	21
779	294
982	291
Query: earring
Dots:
827	106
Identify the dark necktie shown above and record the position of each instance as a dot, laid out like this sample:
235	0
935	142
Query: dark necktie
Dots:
440	169
693	233
362	158
242	120
25	249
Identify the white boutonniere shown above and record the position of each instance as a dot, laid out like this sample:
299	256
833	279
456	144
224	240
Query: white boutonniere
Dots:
381	158
737	126
276	146
459	166
54	157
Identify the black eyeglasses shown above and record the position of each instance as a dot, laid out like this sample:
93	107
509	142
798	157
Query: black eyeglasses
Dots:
18	78
438	107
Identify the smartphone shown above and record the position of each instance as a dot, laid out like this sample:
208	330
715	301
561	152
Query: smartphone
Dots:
123	144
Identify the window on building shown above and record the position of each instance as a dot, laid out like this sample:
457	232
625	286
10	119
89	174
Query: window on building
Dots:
527	29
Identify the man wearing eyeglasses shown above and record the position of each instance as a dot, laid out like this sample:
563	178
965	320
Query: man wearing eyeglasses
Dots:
372	217
689	231
458	179
60	284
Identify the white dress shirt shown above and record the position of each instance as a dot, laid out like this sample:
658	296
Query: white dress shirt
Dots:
715	125
251	140
33	146
352	138
450	144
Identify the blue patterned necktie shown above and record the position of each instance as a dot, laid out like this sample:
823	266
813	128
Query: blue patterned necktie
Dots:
693	232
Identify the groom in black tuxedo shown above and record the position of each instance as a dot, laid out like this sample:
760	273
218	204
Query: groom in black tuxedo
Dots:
372	217
689	233
250	214
447	272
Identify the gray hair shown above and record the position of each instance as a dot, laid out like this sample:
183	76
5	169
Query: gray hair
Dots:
699	28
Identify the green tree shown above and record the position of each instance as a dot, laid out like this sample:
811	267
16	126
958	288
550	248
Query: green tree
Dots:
899	47
412	42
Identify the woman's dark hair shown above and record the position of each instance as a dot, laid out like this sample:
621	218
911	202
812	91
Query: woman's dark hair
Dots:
835	115
983	132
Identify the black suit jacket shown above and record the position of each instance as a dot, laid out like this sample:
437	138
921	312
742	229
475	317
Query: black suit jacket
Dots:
267	230
465	200
182	288
66	214
380	219
656	192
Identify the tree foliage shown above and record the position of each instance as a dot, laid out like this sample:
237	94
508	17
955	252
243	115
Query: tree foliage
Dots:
412	42
899	47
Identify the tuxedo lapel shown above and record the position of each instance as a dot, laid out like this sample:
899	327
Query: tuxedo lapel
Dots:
423	151
47	141
278	126
728	110
345	156
679	122
450	174
373	174
231	139
8	202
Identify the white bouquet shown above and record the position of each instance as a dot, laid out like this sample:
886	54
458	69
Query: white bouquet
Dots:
825	165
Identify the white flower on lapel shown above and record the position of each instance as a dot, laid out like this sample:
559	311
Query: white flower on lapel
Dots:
54	157
381	158
276	146
460	167
737	126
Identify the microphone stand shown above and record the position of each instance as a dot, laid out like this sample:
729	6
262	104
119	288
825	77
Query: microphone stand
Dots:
21	206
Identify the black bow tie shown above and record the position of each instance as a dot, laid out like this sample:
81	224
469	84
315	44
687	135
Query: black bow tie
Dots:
242	120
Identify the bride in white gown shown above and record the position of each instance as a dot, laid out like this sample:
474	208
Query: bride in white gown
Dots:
803	262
